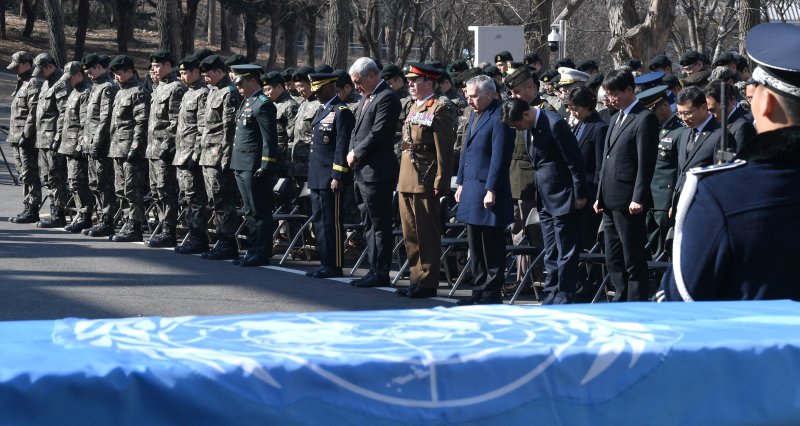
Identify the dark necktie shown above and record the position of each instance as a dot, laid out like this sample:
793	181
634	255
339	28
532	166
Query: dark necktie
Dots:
692	139
366	103
617	126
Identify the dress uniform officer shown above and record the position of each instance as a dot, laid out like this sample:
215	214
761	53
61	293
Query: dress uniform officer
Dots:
736	228
22	135
70	129
96	141
219	127
162	127
328	173
128	146
52	100
275	90
649	80
255	153
665	173
187	155
425	169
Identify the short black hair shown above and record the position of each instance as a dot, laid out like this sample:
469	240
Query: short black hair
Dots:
513	110
693	95
582	96
618	80
713	90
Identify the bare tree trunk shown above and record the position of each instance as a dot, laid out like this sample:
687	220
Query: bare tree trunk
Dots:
80	30
224	30
188	21
310	31
234	27
631	38
123	15
749	17
540	29
250	39
3	19
274	32
290	41
338	34
211	37
408	44
29	7
55	31
166	17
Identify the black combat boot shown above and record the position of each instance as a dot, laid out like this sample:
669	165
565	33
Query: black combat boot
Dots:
24	212
132	231
103	228
28	217
82	221
223	250
165	238
196	244
56	219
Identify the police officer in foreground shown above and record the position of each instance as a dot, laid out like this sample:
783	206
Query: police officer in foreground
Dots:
22	135
665	173
52	100
219	119
255	154
187	155
70	129
275	90
736	228
128	146
328	173
96	141
425	170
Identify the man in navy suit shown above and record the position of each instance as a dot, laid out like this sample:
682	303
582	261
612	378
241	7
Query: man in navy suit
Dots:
484	190
740	123
623	194
561	179
375	164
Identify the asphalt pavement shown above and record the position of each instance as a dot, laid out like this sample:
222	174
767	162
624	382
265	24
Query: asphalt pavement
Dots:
51	274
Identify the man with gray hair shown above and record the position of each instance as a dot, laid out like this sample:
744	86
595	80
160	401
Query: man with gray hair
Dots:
376	168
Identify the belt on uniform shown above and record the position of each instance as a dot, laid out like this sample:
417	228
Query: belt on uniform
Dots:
521	157
416	147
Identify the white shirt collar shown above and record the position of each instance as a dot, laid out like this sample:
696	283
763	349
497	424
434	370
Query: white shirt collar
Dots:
703	126
627	110
422	101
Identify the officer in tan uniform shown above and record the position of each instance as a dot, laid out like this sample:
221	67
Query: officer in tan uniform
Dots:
425	169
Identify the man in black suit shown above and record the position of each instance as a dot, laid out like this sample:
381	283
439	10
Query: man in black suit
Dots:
623	194
740	123
561	179
375	165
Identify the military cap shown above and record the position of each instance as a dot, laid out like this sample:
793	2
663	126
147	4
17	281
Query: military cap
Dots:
548	76
391	71
445	76
93	59
672	80
301	74
235	59
213	62
323	68
569	76
162	56
415	69
492	71
635	64
40	61
121	62
646	81
566	63
435	64
741	62
504	56
659	61
595	81
653	95
288	73
342	78
70	69
202	54
272	78
319	79
690	57
531	58
724	59
723	72
189	63
778	63
588	65
517	77
242	71
20	57
468	74
459	66
696	79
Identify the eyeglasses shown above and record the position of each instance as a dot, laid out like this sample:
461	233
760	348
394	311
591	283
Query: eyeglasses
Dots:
684	114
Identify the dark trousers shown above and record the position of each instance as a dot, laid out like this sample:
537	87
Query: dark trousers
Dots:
327	208
658	225
626	258
561	236
257	197
378	199
487	248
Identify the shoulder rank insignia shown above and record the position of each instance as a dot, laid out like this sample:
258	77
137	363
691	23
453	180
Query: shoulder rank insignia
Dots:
707	170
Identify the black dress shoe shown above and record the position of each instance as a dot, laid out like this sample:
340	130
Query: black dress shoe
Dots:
326	272
253	260
491	300
476	295
362	279
373	281
311	273
403	292
422	292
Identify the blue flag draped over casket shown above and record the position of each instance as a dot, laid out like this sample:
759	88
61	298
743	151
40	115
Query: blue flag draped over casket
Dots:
702	363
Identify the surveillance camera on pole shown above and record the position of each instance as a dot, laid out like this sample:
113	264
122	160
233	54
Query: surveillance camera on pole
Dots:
554	38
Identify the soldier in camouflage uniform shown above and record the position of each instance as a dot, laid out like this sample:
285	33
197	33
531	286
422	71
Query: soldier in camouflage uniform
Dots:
162	127
273	84
346	90
22	136
70	129
52	101
300	144
96	140
215	155
187	155
129	145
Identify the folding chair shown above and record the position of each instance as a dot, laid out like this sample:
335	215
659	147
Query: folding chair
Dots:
532	245
4	129
286	219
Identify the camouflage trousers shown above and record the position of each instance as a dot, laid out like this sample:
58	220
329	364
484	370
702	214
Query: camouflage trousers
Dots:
27	163
54	175
222	191
194	198
78	179
130	179
101	183
164	189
